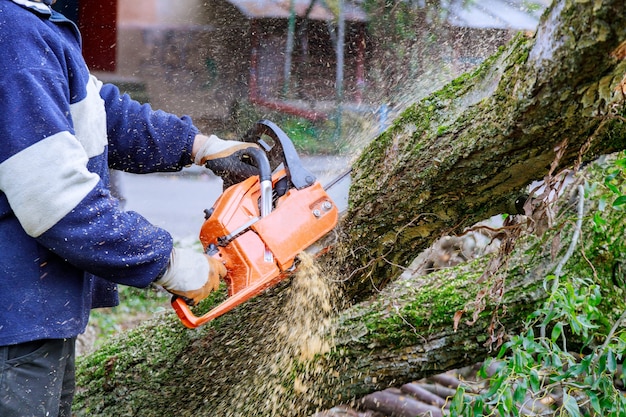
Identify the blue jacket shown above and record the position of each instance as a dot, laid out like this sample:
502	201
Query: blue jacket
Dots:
64	241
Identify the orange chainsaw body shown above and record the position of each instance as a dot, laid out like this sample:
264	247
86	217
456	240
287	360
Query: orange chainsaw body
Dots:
260	251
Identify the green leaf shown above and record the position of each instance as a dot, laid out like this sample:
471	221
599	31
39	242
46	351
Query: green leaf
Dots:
621	163
601	363
619	201
570	405
482	372
547	282
611	176
535	382
494	385
613	188
502	409
549	316
595	297
520	392
508	401
611	363
594	401
503	350
479	407
456	406
576	370
556	331
519	362
598	220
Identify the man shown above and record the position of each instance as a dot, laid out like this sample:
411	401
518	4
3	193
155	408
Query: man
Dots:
64	241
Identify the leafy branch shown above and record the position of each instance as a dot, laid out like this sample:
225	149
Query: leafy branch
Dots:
536	374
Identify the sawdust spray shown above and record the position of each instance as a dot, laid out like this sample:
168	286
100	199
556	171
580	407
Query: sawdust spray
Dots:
286	366
305	332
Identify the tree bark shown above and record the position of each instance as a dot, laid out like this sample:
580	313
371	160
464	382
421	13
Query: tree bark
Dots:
466	152
456	157
248	364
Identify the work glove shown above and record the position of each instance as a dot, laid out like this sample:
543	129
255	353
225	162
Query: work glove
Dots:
227	159
192	275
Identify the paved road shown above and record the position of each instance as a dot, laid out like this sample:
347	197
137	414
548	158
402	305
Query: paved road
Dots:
176	202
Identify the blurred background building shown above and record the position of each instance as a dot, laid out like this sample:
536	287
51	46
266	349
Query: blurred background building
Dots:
205	57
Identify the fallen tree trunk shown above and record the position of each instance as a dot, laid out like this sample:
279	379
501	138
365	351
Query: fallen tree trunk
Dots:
456	157
270	357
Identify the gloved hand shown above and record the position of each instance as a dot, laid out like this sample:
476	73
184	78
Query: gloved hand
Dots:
192	275
211	148
225	158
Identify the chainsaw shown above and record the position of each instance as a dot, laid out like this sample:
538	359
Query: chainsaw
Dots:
262	221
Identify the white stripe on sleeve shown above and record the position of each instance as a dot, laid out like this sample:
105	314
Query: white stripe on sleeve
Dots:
90	119
45	181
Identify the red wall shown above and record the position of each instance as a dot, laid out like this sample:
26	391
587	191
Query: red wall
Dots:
98	25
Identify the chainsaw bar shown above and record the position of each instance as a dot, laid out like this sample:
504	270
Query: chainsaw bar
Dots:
338	190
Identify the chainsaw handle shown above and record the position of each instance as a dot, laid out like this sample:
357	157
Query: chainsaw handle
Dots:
234	169
260	160
184	313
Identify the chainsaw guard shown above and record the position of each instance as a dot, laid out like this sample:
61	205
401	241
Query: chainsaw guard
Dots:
192	321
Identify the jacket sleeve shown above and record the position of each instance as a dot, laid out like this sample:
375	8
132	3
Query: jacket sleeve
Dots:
142	140
53	175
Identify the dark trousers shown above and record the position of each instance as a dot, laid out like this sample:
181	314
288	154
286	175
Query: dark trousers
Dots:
37	378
